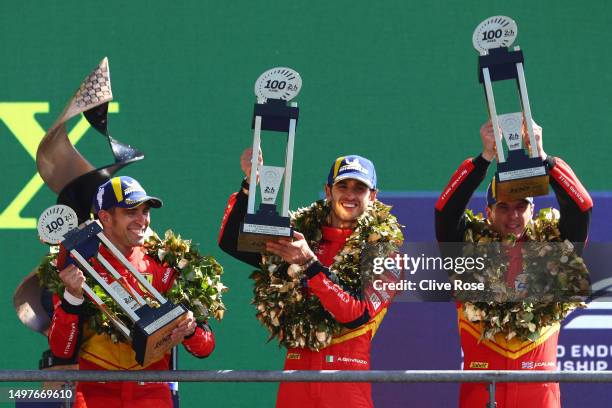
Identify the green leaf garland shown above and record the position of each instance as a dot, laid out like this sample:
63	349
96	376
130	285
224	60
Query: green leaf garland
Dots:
297	319
553	270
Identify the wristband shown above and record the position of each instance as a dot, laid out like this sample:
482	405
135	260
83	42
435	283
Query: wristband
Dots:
245	184
309	263
73	300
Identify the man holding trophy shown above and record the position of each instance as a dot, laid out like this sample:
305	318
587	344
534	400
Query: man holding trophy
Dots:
123	208
504	332
310	270
313	290
506	219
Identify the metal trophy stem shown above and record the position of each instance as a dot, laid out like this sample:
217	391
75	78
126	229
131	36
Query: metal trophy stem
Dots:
121	287
289	164
102	306
526	107
522	84
254	164
123	304
141	279
493	115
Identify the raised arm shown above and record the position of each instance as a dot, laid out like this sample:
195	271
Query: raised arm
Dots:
450	207
575	203
234	214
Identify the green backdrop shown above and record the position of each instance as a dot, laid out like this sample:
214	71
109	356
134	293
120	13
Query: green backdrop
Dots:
395	81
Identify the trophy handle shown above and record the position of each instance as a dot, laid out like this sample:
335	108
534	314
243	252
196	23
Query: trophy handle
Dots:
526	107
493	114
254	163
288	165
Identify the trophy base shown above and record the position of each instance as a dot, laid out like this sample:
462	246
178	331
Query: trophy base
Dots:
151	334
517	189
256	242
265	225
520	177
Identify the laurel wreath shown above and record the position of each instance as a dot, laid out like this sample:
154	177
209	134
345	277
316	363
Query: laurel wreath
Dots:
286	310
557	279
197	285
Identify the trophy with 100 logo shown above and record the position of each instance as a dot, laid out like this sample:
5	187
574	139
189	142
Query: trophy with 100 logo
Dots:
274	88
520	175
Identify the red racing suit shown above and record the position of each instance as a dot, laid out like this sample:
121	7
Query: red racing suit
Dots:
69	334
575	206
360	314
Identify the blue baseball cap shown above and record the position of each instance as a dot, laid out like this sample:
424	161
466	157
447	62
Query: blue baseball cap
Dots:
353	167
124	192
492	195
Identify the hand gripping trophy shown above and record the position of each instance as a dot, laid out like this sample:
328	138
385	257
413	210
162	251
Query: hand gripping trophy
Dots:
274	88
519	175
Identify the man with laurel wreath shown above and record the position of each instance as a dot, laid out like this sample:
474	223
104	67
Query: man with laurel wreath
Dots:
314	292
123	208
523	345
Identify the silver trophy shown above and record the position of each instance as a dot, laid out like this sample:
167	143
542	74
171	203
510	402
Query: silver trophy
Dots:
519	175
151	327
274	88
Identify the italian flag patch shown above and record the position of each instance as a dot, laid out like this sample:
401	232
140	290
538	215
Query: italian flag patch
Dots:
329	359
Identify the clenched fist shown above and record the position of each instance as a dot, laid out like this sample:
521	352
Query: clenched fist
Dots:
73	280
